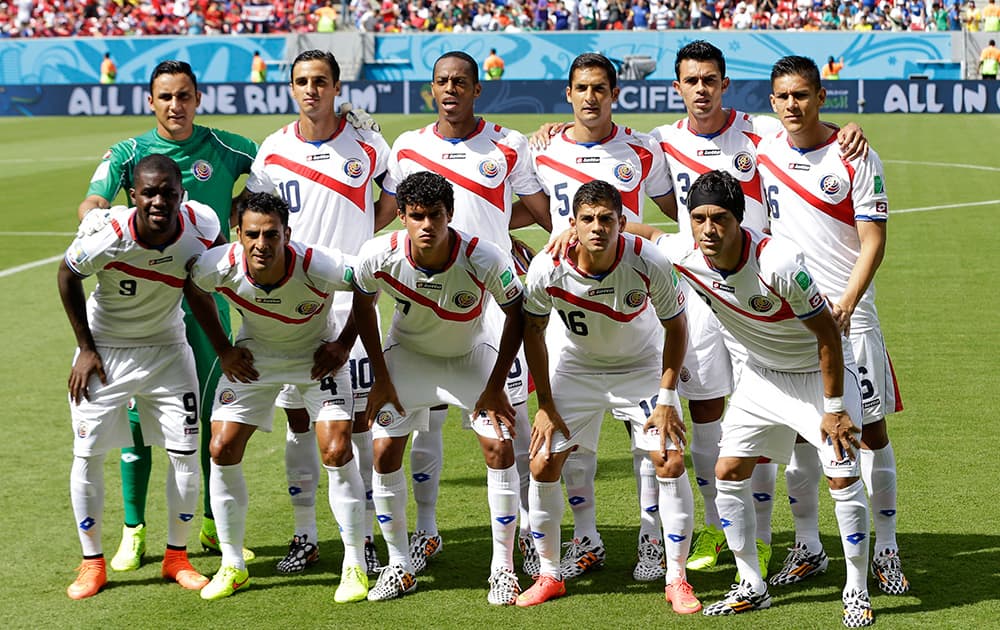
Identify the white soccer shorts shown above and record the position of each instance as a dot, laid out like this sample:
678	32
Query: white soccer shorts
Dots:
360	370
879	390
707	373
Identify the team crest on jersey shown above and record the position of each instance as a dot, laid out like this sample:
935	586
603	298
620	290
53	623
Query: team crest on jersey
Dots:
489	168
307	308
464	299
201	170
685	375
353	168
830	184
227	396
83	429
743	162
761	303
624	172
384	418
635	298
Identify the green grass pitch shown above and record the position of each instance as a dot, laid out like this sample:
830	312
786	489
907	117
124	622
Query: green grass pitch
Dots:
938	299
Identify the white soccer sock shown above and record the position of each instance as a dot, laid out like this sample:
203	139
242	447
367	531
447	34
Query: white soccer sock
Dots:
361	444
426	456
851	508
546	501
878	468
229	506
677	514
389	494
347	503
735	504
704	453
649	495
501	491
578	473
802	478
86	491
762	488
522	443
302	472
183	484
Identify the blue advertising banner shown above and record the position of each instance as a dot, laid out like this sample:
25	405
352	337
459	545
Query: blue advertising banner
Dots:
931	97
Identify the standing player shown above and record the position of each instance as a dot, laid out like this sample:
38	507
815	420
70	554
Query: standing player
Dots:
487	164
130	343
283	289
439	350
211	160
324	169
614	356
796	381
836	211
593	147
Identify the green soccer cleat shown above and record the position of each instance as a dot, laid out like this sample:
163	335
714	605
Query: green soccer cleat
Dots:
353	586
709	542
209	538
131	550
226	582
763	559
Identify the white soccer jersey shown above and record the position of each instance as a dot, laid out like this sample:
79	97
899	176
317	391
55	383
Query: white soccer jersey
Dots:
816	199
438	312
137	300
610	326
287	319
761	301
628	160
485	168
732	149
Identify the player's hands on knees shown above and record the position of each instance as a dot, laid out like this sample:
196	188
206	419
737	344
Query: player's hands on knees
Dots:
543	137
670	427
547	422
382	393
559	244
840	430
495	404
852	141
88	363
237	364
328	358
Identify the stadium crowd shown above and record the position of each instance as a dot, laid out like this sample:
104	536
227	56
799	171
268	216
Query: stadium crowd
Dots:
98	18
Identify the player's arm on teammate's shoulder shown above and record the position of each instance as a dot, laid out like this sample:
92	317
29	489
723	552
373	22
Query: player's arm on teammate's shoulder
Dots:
647	232
852	141
873	237
667	205
836	423
542	137
88	362
89	203
531	209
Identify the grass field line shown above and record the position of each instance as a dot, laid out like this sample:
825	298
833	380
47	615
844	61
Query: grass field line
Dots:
975	167
37	233
37	263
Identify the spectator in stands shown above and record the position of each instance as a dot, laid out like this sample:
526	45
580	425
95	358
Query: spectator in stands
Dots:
989	62
109	72
991	17
831	69
971	17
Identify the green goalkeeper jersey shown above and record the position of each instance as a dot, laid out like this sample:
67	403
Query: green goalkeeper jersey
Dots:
211	161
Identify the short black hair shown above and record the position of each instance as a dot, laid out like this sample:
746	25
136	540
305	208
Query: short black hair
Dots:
467	58
700	50
157	163
594	60
598	192
425	189
799	66
718	188
317	55
263	203
172	66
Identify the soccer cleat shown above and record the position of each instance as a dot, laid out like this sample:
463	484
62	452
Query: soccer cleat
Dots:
740	599
92	577
131	549
532	565
888	572
681	596
504	588
423	547
209	538
858	609
393	581
763	559
226	582
371	557
581	556
652	562
545	588
353	585
800	564
177	567
301	554
709	542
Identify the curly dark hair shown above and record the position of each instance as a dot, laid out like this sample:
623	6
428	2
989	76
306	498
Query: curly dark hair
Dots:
425	189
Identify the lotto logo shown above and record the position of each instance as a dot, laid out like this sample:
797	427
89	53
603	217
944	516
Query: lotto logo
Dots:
353	168
87	523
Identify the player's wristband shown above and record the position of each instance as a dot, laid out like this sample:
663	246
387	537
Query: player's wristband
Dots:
667	397
833	404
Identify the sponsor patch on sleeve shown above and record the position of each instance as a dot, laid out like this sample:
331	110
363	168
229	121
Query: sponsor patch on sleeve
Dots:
803	280
349	275
506	277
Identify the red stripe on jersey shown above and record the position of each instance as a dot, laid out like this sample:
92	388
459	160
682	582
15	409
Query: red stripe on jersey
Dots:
752	189
472	246
895	384
191	215
843	211
207	243
631	198
760	246
317	291
290	257
594	307
117	228
145	274
452	256
637	246
307	258
394	241
356	195
619	252
753	137
480	125
232	254
495	196
428	303
253	308
784	313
